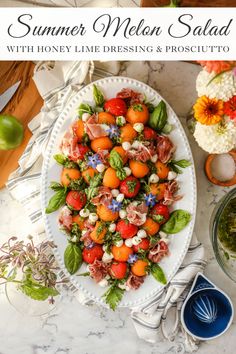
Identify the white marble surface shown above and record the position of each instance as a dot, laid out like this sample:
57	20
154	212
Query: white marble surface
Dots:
74	329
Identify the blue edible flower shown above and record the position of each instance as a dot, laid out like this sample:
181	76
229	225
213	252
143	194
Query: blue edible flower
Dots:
94	160
132	258
115	206
150	200
113	131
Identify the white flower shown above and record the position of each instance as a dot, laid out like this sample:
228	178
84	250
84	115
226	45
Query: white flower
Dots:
153	178
138	127
216	139
100	167
126	145
171	175
222	87
127	171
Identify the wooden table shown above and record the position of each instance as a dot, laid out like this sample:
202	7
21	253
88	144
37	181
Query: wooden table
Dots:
190	3
24	105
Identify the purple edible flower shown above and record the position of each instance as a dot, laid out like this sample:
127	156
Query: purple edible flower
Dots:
132	258
113	131
94	160
115	206
91	245
150	200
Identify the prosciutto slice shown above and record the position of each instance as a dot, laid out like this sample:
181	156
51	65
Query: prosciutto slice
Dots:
158	251
65	218
134	282
170	191
98	270
143	153
104	196
137	214
69	145
165	148
130	96
93	129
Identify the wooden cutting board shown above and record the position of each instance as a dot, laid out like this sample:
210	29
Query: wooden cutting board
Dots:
190	3
24	105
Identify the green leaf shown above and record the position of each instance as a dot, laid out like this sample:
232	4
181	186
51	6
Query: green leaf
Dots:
182	163
98	96
84	108
36	291
113	296
116	162
158	118
94	182
57	200
72	258
167	128
56	186
150	106
173	3
158	273
61	159
177	221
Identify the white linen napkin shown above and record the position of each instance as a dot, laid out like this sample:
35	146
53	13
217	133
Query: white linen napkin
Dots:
57	83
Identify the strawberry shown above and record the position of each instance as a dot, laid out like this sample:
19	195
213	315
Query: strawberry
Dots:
149	134
160	213
82	150
76	199
143	245
130	187
126	229
118	270
116	106
90	254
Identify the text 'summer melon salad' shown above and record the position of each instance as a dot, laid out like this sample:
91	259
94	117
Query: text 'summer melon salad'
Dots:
117	185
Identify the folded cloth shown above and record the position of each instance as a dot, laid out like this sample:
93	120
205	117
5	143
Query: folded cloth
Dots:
57	83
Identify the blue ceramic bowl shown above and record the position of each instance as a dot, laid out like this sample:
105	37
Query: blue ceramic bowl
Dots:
207	312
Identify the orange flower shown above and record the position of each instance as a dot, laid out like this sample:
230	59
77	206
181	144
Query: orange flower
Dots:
217	65
208	111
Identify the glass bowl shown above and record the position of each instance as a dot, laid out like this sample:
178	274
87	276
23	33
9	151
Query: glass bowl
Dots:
223	219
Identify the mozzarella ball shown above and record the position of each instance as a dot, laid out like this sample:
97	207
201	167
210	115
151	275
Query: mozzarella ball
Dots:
162	234
122	214
129	242
126	145
138	127
142	234
106	258
136	144
115	192
153	178
120	197
100	167
136	240
103	283
120	120
127	171
112	227
85	117
171	175
119	243
154	158
93	217
84	213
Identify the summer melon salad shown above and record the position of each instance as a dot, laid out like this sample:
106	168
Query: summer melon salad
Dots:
117	185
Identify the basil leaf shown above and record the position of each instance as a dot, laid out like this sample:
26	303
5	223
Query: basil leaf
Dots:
113	296
57	200
177	221
158	273
61	159
98	96
56	186
116	162
182	163
37	291
158	118
167	128
84	108
72	258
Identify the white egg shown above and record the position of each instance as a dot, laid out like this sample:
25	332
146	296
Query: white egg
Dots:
93	217
100	167
129	242
122	214
138	127
126	145
103	283
142	234
84	213
171	175
85	117
119	243
136	240
115	192
153	178
154	158
112	227
127	171
120	197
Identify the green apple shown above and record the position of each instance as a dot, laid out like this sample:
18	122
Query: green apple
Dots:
11	132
